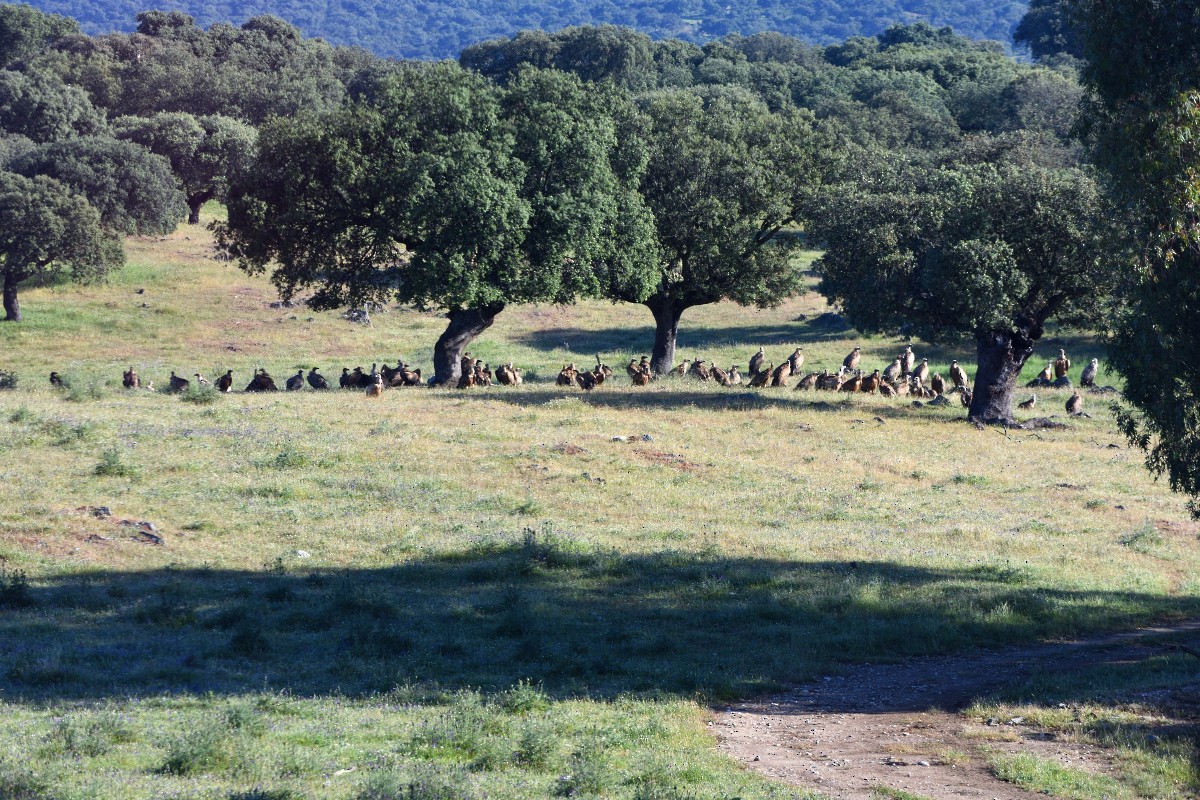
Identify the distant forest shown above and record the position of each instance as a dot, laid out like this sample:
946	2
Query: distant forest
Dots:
442	28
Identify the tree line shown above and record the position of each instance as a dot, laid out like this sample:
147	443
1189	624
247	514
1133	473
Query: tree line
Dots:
955	192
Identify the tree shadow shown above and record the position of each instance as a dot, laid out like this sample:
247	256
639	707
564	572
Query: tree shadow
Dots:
552	608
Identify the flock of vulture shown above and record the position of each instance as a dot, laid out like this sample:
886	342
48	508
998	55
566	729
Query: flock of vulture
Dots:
904	377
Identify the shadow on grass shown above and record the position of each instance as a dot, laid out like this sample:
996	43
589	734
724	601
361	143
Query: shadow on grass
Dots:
542	606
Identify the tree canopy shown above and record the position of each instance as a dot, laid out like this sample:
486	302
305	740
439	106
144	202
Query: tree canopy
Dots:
443	191
989	244
46	231
1142	67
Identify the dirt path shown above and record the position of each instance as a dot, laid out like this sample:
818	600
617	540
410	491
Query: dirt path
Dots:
897	725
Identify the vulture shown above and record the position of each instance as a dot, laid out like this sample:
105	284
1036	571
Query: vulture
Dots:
1062	364
200	379
602	370
1088	378
507	375
1028	404
700	370
735	377
756	361
566	376
958	375
781	373
720	376
56	379
1075	404
809	381
871	383
347	380
412	377
907	359
467	378
262	382
681	368
586	380
366	380
177	384
359	379
901	388
225	382
317	381
296	382
965	396
376	387
130	379
894	370
922	370
641	377
937	384
762	377
389	374
886	389
796	361
851	361
1047	375
853	384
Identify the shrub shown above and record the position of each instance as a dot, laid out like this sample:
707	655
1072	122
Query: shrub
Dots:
8	380
588	773
14	589
537	749
422	782
90	736
200	395
111	465
17	782
524	698
266	794
201	749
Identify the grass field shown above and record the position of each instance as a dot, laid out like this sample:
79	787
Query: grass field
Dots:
456	594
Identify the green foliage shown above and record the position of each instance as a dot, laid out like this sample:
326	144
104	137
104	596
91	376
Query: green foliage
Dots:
203	748
1047	31
40	106
24	30
132	189
113	465
8	380
1143	69
14	589
199	394
47	231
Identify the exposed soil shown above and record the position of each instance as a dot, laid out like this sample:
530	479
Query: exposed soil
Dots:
898	726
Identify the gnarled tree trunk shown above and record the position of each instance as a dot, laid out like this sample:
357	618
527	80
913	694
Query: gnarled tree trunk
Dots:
12	308
465	325
194	202
1002	354
666	328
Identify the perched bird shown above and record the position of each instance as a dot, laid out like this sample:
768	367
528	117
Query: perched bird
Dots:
681	368
412	377
756	362
1088	378
566	376
586	380
853	384
376	387
261	382
1028	404
365	379
201	380
1047	374
602	370
922	370
902	388
851	361
735	377
808	382
56	379
937	384
1075	404
781	373
871	383
965	397
886	389
317	381
796	361
347	381
907	359
720	376
700	370
225	382
178	384
130	379
296	382
467	378
762	377
894	370
1062	364
958	375
641	378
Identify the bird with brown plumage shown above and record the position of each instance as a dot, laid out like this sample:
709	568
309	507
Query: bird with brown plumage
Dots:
376	387
756	362
681	368
261	382
893	371
796	361
852	384
937	384
1028	404
719	375
225	382
735	377
958	375
130	379
850	362
780	375
907	360
1075	404
177	384
808	382
921	372
871	383
296	382
1062	364
762	377
566	376
316	380
1088	378
700	370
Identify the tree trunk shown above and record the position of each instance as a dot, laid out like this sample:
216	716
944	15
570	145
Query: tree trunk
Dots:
12	309
1002	354
465	325
194	202
666	329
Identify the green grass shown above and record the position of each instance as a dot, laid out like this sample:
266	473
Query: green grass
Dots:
489	592
1050	778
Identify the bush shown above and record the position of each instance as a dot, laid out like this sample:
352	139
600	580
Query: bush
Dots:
266	794
200	394
537	749
19	783
524	698
90	736
14	589
111	465
82	393
423	782
22	414
201	749
8	380
588	773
